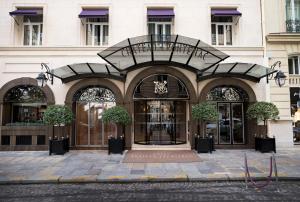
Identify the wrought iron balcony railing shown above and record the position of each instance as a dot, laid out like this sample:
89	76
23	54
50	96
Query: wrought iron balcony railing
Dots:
293	26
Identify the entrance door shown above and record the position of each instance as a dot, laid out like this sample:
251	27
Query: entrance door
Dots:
160	122
90	103
231	126
89	124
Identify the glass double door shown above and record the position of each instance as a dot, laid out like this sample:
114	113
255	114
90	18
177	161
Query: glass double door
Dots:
231	123
90	129
160	122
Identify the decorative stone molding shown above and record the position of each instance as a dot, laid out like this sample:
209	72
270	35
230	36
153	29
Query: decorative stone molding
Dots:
26	81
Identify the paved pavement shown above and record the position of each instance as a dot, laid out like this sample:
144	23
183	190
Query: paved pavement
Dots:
149	192
93	166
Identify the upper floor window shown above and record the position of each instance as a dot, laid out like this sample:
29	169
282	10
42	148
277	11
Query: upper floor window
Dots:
160	22
294	63
31	21
293	15
222	23
96	26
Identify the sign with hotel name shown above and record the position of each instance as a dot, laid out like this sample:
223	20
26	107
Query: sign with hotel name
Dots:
164	46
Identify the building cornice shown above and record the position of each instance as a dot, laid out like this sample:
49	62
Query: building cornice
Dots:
283	37
86	48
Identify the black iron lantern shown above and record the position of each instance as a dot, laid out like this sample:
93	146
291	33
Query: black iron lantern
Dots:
41	79
280	78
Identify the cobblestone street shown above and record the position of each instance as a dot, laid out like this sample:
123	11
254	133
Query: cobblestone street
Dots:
188	191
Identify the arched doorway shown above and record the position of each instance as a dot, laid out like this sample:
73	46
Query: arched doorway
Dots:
160	110
89	103
230	102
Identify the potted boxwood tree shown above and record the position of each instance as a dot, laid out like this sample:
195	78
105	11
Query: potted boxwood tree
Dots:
204	112
58	115
263	111
119	116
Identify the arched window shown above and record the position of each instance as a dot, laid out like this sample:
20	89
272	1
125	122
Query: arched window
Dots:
90	102
24	105
227	93
161	86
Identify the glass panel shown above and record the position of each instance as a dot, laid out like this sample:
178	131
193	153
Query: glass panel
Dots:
237	123
95	123
224	123
97	35
151	28
27	114
41	33
221	34
105	35
89	34
25	94
297	9
35	35
291	66
26	35
167	133
296	65
167	30
228	35
153	121
140	122
180	122
213	34
82	127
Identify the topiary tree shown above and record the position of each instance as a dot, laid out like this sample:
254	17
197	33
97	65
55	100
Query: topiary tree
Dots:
204	112
58	115
117	115
263	111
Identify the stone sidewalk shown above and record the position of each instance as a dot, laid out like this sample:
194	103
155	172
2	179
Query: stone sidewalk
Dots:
97	166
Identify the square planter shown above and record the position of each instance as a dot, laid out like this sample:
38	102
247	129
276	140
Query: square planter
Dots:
57	147
265	144
116	145
203	145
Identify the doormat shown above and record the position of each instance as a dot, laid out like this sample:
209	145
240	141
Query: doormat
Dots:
161	156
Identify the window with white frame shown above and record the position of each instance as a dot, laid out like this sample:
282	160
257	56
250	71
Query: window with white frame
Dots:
293	15
294	63
32	30
221	30
96	32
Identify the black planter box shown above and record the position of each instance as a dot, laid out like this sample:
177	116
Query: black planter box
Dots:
204	145
59	147
265	144
116	145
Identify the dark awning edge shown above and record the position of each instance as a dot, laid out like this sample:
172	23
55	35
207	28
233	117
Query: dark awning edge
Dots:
77	71
22	12
94	13
225	12
247	71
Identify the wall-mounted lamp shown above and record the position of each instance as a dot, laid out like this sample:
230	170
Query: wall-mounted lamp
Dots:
280	77
42	78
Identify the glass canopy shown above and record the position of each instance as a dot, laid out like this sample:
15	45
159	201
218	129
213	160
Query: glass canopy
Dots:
86	70
252	72
154	50
174	50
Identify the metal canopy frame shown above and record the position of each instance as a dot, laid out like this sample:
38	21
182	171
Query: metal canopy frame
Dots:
137	48
75	71
248	71
154	50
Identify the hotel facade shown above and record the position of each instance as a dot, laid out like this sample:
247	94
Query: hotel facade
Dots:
155	59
